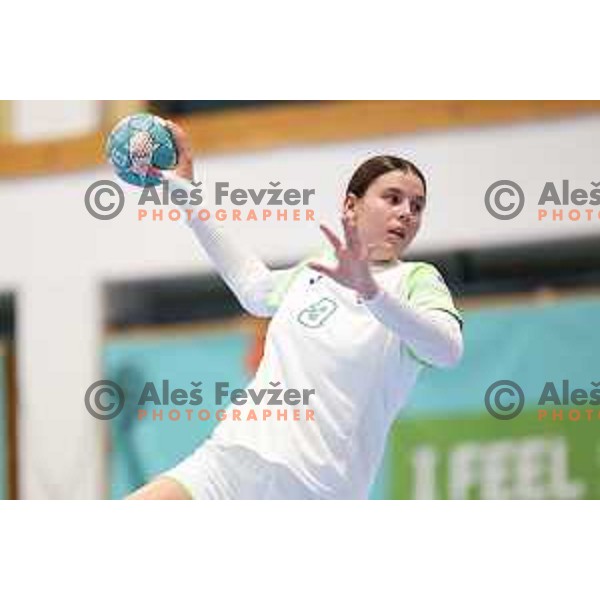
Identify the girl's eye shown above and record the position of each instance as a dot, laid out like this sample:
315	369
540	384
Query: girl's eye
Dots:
417	206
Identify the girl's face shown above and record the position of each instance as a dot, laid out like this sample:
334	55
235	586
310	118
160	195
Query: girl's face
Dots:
389	215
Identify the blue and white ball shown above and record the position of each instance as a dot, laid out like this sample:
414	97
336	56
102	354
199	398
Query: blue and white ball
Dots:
138	143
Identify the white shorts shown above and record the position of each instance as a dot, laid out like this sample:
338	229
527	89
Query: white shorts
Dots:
222	472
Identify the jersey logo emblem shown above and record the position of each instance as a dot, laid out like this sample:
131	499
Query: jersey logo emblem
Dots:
318	313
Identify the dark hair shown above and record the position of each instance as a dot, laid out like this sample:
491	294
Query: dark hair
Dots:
373	168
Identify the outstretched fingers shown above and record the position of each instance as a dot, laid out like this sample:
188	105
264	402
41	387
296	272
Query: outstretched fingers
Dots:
323	269
351	234
334	240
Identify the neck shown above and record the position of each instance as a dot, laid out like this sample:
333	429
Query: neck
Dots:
384	263
384	260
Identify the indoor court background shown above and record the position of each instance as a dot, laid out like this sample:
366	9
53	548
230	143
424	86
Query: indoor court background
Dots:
82	299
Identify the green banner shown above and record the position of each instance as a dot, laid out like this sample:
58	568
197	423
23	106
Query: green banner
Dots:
484	458
447	445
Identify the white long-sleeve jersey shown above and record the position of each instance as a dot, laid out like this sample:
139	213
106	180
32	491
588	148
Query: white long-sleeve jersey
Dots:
361	358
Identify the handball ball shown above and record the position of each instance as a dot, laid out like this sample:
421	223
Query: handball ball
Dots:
137	143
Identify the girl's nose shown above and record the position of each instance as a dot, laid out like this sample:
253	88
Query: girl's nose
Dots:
403	208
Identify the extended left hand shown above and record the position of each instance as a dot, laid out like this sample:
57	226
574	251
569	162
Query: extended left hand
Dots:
352	269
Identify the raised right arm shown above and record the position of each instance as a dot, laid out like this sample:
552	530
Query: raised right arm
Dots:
252	282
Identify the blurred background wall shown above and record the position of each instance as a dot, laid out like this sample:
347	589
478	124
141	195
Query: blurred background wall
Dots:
91	299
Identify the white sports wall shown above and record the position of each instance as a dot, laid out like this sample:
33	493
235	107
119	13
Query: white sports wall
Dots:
56	257
51	119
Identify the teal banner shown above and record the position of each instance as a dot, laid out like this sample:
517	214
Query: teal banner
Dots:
445	444
144	445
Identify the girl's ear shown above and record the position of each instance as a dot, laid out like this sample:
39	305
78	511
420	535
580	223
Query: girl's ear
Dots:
350	204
